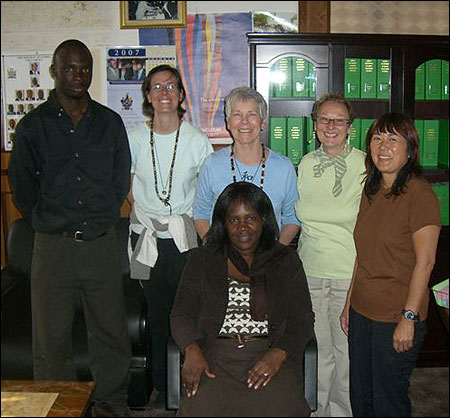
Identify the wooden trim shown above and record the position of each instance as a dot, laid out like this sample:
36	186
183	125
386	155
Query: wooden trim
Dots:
314	17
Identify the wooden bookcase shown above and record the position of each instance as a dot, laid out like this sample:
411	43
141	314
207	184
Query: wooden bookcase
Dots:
328	53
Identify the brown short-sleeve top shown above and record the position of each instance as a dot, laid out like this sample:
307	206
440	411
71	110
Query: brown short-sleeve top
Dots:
385	252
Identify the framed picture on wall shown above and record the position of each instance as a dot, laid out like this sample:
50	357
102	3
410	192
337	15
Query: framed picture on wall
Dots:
152	14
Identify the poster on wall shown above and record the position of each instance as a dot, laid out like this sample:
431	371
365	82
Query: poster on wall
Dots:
26	83
212	57
126	68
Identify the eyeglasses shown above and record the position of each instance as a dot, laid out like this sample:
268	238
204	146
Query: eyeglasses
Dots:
168	87
322	120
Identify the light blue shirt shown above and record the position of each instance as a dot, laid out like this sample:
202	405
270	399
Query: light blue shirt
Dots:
280	184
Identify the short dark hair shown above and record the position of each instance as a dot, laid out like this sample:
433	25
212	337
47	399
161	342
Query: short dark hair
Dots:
400	124
217	237
147	107
69	44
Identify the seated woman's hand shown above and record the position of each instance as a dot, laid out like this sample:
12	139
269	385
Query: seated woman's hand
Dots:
266	368
195	364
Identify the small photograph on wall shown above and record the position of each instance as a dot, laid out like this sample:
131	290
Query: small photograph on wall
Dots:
34	68
152	14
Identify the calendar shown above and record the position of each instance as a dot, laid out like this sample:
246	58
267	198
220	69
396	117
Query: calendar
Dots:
126	69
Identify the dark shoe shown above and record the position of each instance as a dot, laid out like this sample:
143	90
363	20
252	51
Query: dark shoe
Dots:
160	401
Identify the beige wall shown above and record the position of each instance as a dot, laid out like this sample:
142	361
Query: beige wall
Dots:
31	26
398	17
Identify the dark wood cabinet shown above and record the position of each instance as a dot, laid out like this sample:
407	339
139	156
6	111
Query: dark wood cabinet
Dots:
327	52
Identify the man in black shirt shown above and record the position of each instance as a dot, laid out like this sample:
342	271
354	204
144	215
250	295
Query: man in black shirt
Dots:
69	172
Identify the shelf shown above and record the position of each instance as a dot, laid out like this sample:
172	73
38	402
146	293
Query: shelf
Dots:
293	107
431	109
436	175
369	109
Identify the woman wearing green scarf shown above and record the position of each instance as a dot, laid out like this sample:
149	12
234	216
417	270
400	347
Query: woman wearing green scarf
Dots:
330	182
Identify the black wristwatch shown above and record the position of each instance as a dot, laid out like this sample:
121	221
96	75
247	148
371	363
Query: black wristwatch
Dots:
411	315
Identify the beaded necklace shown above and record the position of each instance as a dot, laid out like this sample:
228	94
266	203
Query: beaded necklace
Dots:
262	163
165	199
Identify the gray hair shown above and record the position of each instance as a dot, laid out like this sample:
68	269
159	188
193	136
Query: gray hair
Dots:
245	94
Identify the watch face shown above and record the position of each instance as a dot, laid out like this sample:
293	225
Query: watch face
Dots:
409	315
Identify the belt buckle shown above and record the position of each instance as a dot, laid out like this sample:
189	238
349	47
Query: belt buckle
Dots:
240	341
78	236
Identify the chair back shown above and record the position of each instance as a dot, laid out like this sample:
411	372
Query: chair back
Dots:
19	247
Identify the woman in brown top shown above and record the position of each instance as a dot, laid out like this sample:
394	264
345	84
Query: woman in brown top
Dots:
396	236
242	315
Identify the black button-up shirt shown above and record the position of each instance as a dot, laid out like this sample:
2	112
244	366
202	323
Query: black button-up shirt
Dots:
67	177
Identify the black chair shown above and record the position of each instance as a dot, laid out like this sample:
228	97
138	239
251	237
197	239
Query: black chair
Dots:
174	374
16	344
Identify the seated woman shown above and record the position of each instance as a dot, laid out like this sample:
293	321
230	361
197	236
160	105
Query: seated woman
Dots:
242	315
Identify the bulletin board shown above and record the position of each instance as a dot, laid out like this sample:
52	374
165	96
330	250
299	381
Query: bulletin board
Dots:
26	83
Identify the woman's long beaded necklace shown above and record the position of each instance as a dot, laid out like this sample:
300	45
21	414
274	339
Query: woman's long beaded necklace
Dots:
262	163
166	198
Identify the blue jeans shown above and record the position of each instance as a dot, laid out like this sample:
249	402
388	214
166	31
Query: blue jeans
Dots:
379	376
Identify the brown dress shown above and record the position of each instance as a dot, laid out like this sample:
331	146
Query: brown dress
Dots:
227	395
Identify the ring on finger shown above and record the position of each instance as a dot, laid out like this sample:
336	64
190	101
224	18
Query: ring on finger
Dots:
265	374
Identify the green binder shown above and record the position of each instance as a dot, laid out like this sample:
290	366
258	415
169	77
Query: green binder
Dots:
420	82
368	79
352	78
418	123
354	136
312	80
281	78
383	79
430	143
277	140
433	80
300	72
310	141
365	126
443	143
444	91
295	135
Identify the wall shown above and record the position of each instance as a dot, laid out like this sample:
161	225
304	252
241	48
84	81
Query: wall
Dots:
29	26
398	17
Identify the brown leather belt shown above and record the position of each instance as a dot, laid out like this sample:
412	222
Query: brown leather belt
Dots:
242	339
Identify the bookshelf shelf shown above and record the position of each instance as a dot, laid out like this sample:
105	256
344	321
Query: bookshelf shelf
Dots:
431	109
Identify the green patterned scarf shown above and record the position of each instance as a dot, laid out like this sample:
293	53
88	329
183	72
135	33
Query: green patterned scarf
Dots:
340	166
